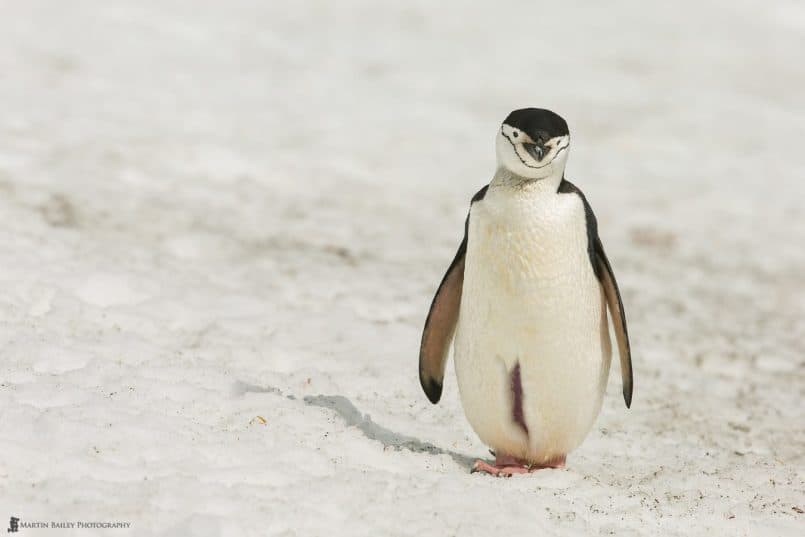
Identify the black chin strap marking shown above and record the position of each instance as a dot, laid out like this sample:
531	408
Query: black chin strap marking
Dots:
524	162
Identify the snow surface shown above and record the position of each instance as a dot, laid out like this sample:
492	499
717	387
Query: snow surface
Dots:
223	223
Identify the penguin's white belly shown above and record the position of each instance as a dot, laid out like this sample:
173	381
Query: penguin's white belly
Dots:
530	297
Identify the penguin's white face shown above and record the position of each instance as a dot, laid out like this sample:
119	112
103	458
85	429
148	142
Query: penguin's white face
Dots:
531	158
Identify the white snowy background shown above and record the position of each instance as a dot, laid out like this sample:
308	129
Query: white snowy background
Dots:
222	223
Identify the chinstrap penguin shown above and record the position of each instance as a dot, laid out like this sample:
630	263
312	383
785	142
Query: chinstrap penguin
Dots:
524	303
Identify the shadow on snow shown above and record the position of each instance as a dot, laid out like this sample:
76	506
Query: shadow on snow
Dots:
363	422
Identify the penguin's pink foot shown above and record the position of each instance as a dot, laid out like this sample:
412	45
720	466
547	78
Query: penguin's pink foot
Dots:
498	470
506	466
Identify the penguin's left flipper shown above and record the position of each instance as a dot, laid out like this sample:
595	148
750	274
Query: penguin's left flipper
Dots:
603	271
613	296
440	325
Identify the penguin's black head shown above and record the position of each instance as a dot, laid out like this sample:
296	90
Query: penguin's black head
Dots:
537	123
533	143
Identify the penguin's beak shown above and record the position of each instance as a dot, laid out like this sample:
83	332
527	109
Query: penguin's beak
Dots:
536	151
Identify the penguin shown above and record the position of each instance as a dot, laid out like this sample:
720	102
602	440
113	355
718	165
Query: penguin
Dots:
524	304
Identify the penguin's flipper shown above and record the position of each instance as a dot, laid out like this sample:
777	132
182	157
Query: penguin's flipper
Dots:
440	327
618	319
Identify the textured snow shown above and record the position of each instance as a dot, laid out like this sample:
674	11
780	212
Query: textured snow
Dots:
222	225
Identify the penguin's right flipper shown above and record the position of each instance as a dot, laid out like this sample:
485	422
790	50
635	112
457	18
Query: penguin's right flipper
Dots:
440	325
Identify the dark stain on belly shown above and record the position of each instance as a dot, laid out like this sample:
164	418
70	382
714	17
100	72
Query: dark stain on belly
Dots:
517	403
